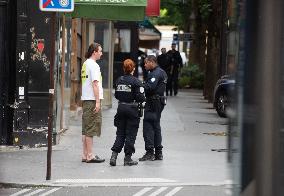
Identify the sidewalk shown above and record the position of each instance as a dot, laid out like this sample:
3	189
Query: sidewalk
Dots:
188	122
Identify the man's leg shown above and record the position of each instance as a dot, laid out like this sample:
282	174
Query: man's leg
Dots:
148	134
170	84
89	147
158	136
158	141
85	153
175	81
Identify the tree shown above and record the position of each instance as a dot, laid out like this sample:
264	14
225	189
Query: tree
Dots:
213	21
204	17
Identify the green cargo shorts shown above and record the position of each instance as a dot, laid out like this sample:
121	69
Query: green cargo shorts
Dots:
91	121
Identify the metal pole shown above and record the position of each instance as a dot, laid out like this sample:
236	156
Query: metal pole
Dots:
62	71
51	97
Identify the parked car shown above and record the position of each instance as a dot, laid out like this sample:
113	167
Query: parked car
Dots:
223	94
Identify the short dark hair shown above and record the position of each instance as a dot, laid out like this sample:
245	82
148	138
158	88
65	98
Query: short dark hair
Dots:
151	58
93	47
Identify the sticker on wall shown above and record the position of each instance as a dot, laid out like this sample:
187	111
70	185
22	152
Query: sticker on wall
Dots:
40	45
21	90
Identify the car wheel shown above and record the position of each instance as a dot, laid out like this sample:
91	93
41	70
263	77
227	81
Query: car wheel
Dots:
222	103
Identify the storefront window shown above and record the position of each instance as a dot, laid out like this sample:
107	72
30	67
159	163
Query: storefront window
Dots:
102	32
98	31
123	40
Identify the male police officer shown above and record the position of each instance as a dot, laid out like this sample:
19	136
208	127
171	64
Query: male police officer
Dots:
129	92
155	86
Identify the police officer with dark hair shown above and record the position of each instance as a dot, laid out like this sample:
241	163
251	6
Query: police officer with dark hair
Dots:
130	94
155	86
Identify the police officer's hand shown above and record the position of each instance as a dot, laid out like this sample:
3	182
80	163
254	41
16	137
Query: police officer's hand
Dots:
98	107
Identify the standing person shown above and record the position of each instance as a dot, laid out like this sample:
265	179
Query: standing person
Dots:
142	56
176	65
130	92
164	62
155	86
92	94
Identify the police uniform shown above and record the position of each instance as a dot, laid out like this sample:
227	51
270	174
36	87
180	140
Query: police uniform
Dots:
129	92
155	86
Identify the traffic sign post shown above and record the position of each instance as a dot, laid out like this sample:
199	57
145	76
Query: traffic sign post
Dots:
56	5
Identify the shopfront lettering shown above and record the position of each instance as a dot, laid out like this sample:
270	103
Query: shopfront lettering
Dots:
116	1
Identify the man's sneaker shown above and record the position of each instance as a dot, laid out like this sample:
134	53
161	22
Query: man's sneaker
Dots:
159	156
97	159
147	157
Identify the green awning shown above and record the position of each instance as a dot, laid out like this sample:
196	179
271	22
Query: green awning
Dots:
120	10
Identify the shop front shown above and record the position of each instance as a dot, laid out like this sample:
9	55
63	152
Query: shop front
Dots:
94	21
44	58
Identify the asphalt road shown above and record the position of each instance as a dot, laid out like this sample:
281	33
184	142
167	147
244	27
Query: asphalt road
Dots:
194	139
118	191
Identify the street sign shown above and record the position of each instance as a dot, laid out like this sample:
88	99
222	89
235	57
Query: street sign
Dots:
56	5
183	37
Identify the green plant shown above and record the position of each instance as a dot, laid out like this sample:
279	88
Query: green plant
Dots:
191	76
183	82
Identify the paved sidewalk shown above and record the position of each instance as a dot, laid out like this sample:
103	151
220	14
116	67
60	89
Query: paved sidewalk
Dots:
191	131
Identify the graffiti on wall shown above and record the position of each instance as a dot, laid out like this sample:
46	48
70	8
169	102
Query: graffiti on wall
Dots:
37	46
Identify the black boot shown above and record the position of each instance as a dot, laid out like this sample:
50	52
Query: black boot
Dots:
113	158
128	161
159	155
149	156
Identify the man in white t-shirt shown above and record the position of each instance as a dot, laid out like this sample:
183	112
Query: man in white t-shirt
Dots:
92	94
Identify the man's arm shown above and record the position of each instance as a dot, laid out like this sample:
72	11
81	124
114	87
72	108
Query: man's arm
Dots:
97	95
151	83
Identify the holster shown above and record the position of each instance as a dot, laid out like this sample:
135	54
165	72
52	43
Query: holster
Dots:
163	100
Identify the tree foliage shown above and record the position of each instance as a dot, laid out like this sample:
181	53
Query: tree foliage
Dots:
177	12
205	8
174	12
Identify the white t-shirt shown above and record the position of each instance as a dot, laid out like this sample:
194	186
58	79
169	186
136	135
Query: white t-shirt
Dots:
90	72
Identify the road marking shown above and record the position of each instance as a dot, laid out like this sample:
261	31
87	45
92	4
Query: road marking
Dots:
157	192
174	191
20	192
145	190
50	191
142	182
120	180
35	192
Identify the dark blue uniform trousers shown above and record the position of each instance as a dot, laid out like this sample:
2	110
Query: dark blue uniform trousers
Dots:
127	123
151	126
